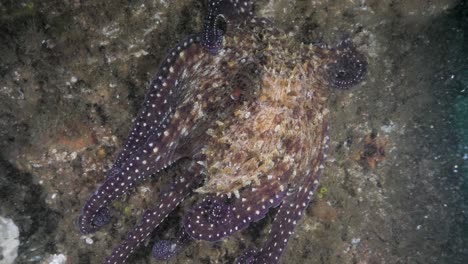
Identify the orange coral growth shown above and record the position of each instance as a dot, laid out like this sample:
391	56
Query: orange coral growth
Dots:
372	150
324	212
76	137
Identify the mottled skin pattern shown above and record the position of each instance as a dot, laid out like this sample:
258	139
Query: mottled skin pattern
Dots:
250	112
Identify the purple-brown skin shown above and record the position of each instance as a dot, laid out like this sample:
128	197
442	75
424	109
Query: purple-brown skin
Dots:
219	12
251	115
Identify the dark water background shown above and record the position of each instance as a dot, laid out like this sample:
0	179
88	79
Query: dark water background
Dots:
74	73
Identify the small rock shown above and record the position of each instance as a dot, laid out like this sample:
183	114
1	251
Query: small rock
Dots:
57	259
9	240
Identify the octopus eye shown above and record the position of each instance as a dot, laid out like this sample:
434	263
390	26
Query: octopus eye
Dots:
221	25
213	31
348	69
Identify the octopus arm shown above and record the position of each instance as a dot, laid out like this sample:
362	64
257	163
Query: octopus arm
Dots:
152	218
290	212
152	144
160	101
348	67
218	216
159	151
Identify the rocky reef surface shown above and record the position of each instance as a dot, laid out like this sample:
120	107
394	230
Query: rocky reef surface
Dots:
74	73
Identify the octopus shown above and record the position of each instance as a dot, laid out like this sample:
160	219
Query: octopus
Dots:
247	107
